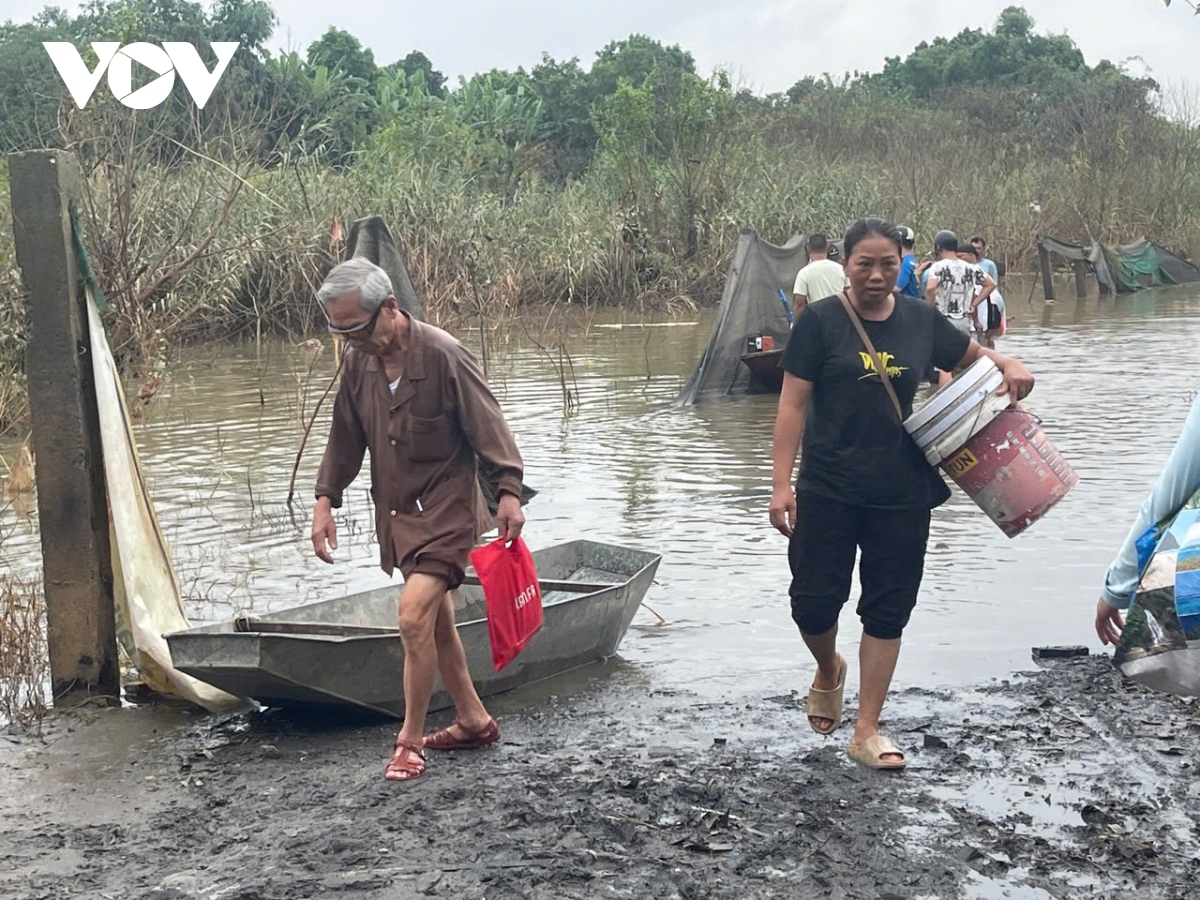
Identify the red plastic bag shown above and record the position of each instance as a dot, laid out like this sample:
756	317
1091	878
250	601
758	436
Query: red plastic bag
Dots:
514	597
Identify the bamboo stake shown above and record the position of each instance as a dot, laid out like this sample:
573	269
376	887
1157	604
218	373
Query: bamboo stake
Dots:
308	430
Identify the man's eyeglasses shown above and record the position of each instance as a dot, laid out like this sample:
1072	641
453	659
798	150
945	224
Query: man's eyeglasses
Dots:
362	328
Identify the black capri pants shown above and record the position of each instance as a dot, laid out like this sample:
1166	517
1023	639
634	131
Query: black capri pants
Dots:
821	554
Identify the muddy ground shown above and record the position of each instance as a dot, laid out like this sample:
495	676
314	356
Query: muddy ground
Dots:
1064	783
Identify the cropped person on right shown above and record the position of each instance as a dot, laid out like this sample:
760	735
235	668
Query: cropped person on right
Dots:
1178	482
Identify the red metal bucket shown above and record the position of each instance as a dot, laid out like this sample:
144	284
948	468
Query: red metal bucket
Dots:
1011	470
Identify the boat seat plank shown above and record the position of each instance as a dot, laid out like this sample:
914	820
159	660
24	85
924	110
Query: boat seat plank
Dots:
247	624
550	585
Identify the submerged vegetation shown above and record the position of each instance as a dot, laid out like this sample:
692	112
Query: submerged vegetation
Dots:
623	181
24	670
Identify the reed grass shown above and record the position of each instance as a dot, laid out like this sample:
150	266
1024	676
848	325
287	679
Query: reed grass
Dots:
24	670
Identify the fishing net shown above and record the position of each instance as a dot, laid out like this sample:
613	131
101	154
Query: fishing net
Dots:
371	239
1126	268
751	305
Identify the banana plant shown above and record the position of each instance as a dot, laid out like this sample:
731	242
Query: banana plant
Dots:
511	117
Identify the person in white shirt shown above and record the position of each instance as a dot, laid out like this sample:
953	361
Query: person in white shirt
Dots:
989	315
957	287
821	278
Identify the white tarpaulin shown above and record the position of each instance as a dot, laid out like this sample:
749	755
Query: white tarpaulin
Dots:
145	589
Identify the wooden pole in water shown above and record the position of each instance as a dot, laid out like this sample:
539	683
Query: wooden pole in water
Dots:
72	503
1047	273
1080	279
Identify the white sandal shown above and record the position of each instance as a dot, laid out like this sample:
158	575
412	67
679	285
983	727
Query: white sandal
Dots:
871	752
827	704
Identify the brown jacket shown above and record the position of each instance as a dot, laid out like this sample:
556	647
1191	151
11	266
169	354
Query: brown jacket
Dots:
424	443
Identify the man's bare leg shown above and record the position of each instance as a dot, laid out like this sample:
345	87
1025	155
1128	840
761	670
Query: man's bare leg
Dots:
420	602
452	664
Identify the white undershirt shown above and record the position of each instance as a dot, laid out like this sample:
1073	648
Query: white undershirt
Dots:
395	385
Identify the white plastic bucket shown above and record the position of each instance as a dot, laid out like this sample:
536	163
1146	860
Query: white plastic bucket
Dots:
997	454
958	411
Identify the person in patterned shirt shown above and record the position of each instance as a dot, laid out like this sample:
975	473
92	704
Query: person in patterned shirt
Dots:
956	287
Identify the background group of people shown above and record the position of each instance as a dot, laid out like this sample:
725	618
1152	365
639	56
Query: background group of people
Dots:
959	279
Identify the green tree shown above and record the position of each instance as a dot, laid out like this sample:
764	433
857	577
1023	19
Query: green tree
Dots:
808	86
416	61
1011	54
250	22
30	88
340	51
633	60
340	116
498	109
564	91
676	132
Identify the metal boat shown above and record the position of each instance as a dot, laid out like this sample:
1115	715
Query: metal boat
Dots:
347	652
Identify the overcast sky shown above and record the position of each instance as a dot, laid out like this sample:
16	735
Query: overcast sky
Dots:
768	44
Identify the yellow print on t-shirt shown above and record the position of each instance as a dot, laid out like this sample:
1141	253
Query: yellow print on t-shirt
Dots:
884	357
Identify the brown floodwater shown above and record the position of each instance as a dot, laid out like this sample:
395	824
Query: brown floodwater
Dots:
1114	385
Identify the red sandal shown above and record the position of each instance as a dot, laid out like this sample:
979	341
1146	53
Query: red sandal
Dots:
407	762
446	740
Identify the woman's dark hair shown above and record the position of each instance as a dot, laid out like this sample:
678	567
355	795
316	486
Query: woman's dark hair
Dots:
872	226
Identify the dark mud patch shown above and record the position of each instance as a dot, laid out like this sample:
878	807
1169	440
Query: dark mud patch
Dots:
1066	783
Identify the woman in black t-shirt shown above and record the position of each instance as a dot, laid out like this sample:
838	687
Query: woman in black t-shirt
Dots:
863	483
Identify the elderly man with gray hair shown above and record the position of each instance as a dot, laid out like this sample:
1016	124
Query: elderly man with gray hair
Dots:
416	398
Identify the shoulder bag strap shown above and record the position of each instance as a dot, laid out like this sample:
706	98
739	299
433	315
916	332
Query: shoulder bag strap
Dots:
879	366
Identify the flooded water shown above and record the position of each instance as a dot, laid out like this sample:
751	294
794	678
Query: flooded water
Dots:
1114	385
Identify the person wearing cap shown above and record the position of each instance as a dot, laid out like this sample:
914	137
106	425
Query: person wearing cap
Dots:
956	287
821	278
989	315
908	283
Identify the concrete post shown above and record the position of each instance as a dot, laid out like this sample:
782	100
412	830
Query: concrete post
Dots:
1080	278
72	504
1047	273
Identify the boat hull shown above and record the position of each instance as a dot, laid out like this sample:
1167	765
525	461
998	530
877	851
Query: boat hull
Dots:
765	374
364	670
